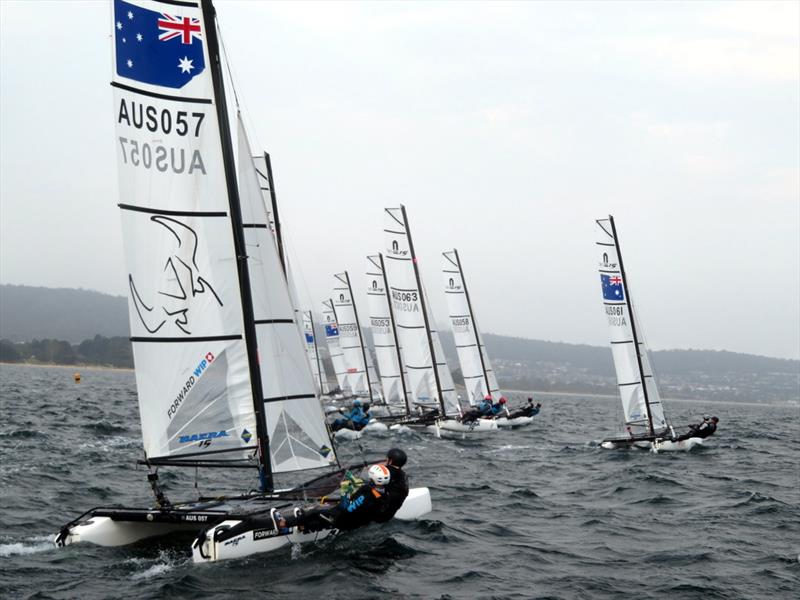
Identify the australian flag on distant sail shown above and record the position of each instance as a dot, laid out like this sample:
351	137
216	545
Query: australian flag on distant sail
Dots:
331	330
157	48
612	287
309	338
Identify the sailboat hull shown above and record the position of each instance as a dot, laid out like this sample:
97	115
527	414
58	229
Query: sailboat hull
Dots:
451	428
212	546
655	445
124	526
505	422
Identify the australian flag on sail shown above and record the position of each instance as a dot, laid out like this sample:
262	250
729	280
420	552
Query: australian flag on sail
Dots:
331	330
612	287
157	48
309	338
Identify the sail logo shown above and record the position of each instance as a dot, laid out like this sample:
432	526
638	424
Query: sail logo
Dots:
199	437
331	330
395	249
607	264
612	287
157	48
181	396
451	285
246	436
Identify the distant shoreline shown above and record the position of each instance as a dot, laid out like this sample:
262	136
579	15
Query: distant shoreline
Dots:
56	366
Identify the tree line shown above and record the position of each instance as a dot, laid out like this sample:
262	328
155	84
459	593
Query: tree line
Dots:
112	352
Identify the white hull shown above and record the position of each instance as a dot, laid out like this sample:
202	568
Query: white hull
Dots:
451	428
371	427
515	422
659	446
206	549
107	531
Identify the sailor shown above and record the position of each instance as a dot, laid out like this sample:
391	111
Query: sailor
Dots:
397	488
499	407
528	410
356	418
700	430
485	406
368	503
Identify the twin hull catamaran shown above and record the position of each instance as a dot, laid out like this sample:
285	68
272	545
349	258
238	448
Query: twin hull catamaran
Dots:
645	423
430	384
479	378
221	372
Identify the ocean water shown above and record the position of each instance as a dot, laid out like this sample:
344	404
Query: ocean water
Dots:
538	512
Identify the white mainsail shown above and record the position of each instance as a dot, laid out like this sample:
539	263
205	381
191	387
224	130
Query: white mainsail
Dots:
641	402
429	380
479	378
334	349
193	374
296	423
191	297
321	378
357	362
383	328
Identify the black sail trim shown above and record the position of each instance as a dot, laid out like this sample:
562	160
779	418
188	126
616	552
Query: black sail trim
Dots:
283	398
206	338
130	88
272	321
172	213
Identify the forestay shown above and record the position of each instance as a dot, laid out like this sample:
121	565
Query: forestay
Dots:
479	378
332	341
429	380
383	334
185	299
635	378
295	421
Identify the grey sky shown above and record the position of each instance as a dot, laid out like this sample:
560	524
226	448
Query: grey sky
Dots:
506	129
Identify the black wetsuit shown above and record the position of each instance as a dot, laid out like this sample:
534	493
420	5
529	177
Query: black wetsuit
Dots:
703	430
525	411
396	492
365	505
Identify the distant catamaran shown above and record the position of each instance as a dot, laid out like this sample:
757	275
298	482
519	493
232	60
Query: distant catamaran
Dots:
334	347
430	383
221	372
312	351
645	423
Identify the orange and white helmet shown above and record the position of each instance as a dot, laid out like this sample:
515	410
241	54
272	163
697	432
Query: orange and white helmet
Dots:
379	475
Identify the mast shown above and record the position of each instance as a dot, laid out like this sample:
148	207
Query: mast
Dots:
474	323
274	198
265	466
633	323
316	350
394	334
424	310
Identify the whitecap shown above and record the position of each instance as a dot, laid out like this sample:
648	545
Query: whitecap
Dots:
30	546
154	571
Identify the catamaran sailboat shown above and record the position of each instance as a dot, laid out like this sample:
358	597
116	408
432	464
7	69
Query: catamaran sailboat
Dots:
430	383
221	374
645	423
479	377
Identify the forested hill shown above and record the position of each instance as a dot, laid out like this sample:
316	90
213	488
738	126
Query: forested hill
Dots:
72	315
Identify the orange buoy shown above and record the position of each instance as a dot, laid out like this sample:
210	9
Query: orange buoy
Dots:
77	377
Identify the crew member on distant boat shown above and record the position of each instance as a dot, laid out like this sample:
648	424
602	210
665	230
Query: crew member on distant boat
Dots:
499	407
528	410
368	503
397	488
700	430
484	409
355	419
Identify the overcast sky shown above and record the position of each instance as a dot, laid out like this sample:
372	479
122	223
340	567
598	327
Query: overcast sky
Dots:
506	129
